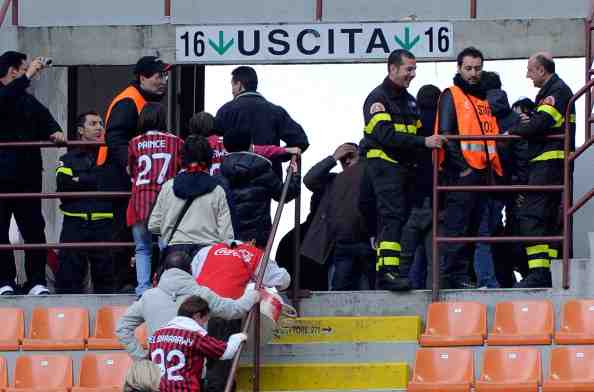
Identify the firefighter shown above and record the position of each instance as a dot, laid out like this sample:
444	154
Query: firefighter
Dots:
150	85
464	110
538	214
390	146
85	220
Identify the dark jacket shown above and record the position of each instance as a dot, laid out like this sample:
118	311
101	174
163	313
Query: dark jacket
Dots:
122	124
386	135
252	184
80	163
22	118
551	102
448	123
423	180
268	123
338	217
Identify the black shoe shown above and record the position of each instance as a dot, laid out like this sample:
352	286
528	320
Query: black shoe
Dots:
536	278
389	278
463	285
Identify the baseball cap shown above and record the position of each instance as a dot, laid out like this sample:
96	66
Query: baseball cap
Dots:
150	65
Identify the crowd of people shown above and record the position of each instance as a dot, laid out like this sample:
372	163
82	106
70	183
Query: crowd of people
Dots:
370	224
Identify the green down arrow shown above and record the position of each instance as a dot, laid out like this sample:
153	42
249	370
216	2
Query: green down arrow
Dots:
407	44
221	47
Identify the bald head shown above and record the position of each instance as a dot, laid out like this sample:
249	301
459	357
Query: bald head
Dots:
541	67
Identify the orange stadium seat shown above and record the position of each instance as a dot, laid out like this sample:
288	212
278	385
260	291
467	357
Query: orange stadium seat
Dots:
442	369
510	369
102	372
577	323
104	337
522	323
47	373
13	328
455	324
3	374
58	329
571	369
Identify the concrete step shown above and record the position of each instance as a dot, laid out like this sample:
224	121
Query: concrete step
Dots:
327	376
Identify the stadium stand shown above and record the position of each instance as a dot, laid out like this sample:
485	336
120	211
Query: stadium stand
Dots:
577	323
49	373
102	372
513	369
57	329
442	369
570	369
522	323
455	324
13	328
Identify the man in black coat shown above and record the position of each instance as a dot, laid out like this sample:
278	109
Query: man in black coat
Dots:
252	184
22	118
250	111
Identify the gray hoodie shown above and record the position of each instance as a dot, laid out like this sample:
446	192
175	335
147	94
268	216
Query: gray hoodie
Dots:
158	306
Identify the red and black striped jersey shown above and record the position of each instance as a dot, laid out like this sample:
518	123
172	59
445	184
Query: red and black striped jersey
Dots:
153	158
179	349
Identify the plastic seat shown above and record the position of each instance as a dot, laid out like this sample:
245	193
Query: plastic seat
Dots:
445	369
577	323
104	336
13	328
510	369
3	374
58	329
102	372
47	373
570	369
455	324
522	323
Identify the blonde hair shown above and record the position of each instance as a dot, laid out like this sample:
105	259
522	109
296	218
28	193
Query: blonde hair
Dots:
143	376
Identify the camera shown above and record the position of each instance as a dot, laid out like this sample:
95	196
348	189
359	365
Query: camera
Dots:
46	61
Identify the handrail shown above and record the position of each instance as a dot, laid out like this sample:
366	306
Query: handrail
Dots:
4	11
297	248
254	314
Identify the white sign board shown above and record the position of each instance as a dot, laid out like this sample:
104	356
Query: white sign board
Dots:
234	44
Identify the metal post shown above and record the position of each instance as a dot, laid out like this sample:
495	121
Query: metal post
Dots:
4	11
256	369
319	10
435	213
473	9
15	12
167	7
297	247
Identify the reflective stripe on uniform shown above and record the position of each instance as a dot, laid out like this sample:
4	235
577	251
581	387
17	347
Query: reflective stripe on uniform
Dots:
65	170
94	215
388	245
554	113
475	147
572	118
539	263
536	249
376	119
375	153
547	156
404	128
387	261
553	253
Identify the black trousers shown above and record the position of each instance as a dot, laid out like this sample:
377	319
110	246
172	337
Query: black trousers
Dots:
390	183
73	262
217	371
462	218
538	215
27	213
117	180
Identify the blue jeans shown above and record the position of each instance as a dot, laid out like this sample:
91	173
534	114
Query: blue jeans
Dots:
144	252
484	267
351	267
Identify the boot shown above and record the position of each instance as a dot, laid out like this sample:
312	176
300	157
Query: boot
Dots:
536	278
389	278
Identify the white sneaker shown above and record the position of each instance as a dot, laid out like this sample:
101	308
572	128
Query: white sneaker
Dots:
39	290
6	290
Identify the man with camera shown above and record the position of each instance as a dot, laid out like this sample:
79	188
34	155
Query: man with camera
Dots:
23	118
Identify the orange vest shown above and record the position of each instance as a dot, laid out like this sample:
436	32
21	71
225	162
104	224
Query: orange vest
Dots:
469	111
132	93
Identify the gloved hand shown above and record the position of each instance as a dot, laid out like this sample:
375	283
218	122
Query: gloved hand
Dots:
249	298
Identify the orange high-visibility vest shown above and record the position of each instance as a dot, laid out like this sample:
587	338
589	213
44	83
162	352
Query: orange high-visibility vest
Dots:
129	93
475	118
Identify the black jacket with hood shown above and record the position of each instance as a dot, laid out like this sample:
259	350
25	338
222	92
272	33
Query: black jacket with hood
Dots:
252	184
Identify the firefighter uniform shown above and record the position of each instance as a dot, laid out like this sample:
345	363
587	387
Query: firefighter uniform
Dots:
390	145
538	215
85	220
464	110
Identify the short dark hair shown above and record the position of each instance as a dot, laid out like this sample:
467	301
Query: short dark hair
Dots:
152	118
82	119
178	259
197	150
237	140
526	105
202	124
397	57
490	80
192	305
547	63
247	76
428	96
10	59
471	51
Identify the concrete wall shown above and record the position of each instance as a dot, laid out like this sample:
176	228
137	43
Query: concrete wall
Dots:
8	34
90	12
583	222
533	9
389	10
